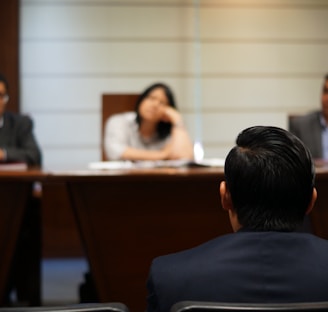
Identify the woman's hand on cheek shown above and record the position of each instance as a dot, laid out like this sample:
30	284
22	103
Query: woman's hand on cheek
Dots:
171	115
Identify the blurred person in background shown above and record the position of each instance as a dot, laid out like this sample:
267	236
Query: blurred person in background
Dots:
154	131
17	141
312	128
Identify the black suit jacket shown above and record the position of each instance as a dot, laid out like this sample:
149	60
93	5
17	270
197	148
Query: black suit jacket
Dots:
17	138
309	129
249	267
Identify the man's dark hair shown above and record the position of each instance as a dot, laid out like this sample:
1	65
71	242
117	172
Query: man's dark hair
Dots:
270	176
163	128
5	82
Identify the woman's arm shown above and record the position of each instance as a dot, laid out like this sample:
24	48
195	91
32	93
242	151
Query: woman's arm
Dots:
117	137
180	146
117	146
131	153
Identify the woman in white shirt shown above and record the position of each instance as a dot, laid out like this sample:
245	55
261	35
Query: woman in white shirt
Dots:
154	131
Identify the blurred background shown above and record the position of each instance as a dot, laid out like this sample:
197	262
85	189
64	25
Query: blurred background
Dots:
231	63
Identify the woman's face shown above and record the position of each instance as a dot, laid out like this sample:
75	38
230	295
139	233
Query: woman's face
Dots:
3	99
152	106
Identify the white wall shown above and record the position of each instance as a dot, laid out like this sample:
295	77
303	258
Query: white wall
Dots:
260	60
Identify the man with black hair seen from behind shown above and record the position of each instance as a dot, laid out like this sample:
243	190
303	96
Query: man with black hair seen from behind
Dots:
267	192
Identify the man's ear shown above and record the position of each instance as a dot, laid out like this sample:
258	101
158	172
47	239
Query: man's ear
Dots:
228	206
312	202
225	197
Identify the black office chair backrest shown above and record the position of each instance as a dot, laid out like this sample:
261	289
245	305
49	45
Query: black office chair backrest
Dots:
81	307
198	306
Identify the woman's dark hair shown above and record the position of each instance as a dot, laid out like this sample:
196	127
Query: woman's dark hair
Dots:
163	128
270	177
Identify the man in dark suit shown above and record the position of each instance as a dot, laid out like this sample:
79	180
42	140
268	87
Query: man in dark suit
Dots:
18	144
312	128
17	141
268	189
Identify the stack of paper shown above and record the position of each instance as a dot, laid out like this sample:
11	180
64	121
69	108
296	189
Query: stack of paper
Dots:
108	165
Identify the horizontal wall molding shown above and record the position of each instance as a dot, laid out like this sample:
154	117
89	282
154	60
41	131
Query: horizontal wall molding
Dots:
282	41
136	75
283	4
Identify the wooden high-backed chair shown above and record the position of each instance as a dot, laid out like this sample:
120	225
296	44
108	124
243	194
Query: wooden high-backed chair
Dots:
115	104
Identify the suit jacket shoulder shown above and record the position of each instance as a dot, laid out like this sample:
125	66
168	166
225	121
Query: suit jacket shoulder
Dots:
17	138
308	128
242	267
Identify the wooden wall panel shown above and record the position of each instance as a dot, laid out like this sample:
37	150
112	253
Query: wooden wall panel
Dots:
9	49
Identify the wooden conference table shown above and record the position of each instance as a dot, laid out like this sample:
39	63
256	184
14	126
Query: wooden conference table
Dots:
16	196
128	217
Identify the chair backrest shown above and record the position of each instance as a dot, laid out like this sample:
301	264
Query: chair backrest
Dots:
199	306
114	104
81	307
